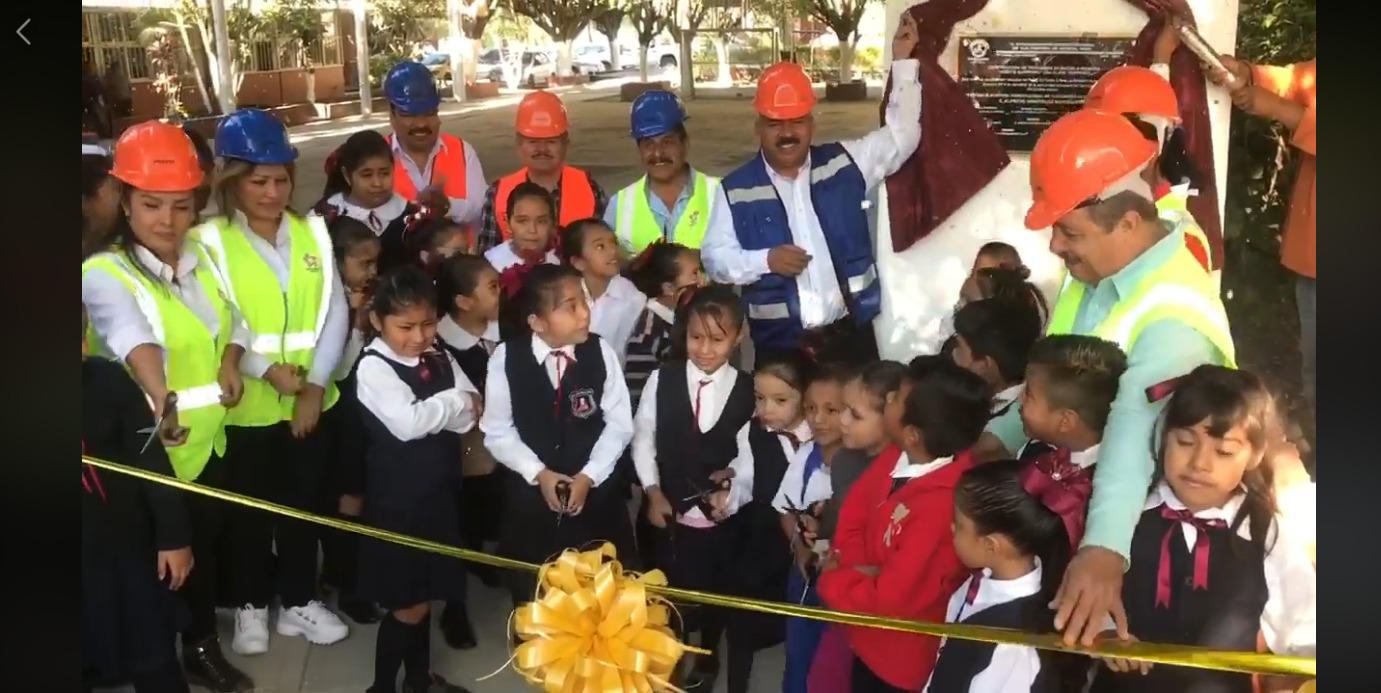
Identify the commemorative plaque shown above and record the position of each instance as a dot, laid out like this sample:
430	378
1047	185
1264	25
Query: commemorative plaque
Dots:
1023	83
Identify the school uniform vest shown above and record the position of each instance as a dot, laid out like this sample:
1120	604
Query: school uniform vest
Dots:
192	357
686	456
285	326
561	427
837	192
961	660
402	473
769	463
1179	289
449	165
638	228
1224	616
577	197
473	362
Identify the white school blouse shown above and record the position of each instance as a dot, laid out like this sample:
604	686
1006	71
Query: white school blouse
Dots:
502	257
376	218
789	492
712	400
1013	668
391	400
615	313
501	434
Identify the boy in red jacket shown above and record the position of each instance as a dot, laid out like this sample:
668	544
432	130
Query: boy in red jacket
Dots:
893	549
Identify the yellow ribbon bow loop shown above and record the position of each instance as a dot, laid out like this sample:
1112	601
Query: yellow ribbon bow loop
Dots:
593	628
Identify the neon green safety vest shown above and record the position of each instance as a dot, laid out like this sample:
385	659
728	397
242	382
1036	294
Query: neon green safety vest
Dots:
284	326
1174	210
1178	289
191	356
638	228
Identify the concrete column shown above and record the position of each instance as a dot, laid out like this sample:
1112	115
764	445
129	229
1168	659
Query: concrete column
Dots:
226	93
456	43
362	55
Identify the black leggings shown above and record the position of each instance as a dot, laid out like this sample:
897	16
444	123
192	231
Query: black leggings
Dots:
208	518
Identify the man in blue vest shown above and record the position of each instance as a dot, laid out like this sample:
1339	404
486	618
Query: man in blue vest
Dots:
672	202
791	226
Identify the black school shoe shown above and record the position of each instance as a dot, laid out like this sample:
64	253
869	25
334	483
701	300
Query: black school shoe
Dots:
359	610
436	685
206	666
455	627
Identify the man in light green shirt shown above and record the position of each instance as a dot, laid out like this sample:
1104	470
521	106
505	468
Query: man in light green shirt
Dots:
1132	281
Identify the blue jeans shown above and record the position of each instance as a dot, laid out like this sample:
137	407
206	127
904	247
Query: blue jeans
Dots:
802	634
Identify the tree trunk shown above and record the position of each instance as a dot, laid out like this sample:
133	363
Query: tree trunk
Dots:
723	74
472	61
615	60
311	85
196	64
847	49
642	63
563	58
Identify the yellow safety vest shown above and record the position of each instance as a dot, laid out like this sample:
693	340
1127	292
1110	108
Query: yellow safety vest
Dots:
191	356
1178	289
284	326
638	228
1173	209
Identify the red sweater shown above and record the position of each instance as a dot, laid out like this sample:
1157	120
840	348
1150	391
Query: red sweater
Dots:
907	536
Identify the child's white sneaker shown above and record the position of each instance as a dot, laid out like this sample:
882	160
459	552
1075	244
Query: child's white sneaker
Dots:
318	624
251	631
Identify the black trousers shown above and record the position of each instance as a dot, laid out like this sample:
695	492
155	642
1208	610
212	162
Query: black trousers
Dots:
698	559
863	680
267	462
210	534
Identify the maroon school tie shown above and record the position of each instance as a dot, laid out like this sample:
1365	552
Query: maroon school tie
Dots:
704	382
975	581
1201	551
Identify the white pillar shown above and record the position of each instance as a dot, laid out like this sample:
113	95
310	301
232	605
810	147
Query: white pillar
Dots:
226	93
456	44
362	55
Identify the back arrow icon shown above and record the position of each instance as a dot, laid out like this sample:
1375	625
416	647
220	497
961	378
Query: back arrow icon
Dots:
20	31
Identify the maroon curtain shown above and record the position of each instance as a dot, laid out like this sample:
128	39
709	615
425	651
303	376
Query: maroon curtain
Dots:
1187	77
959	154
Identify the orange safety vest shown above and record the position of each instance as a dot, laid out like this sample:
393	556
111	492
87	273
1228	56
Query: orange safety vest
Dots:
449	165
577	196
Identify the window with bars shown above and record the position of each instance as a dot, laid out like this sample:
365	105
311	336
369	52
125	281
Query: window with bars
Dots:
110	36
282	54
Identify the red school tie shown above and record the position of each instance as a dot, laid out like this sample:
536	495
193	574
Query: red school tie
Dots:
561	359
791	438
974	583
1201	551
696	406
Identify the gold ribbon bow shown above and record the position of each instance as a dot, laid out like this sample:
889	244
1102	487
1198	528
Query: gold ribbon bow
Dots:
594	628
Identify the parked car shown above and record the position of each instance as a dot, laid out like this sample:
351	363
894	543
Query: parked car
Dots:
439	64
598	54
536	69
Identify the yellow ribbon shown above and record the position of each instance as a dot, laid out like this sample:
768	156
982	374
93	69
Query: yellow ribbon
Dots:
593	628
569	597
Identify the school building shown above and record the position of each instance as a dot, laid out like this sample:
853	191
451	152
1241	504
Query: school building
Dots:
272	73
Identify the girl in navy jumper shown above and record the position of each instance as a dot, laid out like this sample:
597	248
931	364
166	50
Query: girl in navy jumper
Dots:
415	403
563	433
359	184
1017	549
663	272
692	455
356	251
135	541
1211	564
469	330
893	552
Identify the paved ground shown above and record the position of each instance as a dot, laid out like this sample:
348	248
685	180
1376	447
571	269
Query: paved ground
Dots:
721	138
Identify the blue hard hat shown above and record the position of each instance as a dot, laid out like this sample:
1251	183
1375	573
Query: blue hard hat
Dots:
656	112
410	89
252	135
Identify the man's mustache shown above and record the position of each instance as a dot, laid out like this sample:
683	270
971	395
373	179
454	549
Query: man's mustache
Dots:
420	131
541	155
786	141
658	161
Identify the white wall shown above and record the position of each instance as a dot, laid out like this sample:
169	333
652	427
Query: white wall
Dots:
921	284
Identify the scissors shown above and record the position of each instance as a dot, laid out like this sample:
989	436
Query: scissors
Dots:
165	426
801	530
563	496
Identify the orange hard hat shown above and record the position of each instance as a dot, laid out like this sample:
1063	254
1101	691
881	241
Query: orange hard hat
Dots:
1134	89
157	157
541	115
1078	158
784	93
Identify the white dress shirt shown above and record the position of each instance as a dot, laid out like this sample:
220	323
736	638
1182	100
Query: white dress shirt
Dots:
335	332
878	155
392	401
501	434
1289	622
904	469
615	313
502	257
464	210
713	398
376	218
462	339
114	312
1013	668
789	492
1004	399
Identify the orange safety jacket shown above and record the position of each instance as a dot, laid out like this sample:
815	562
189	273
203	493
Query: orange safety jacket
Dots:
577	197
449	166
